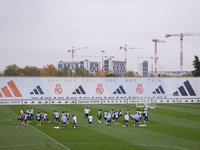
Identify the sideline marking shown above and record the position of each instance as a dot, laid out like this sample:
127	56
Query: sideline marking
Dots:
41	132
27	145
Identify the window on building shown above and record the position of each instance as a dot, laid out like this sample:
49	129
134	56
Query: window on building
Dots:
76	65
60	66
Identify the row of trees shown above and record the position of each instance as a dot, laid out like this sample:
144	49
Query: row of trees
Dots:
50	70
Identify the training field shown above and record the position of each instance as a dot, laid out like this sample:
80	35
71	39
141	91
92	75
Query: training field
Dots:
171	126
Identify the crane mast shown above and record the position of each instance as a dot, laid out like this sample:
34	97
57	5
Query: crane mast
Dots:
73	50
181	45
125	48
156	41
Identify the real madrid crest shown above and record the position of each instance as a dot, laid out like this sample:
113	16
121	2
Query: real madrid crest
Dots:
58	90
139	89
99	89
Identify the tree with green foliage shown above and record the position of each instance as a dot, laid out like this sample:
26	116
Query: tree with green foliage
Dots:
31	71
196	63
12	70
81	72
66	71
163	75
112	75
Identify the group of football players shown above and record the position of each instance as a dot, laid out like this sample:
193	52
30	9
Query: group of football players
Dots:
109	116
26	116
114	116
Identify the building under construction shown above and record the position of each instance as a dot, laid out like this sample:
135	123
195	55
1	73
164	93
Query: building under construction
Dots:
116	67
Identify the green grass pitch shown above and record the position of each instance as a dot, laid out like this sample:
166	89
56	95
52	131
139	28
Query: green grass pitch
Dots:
171	126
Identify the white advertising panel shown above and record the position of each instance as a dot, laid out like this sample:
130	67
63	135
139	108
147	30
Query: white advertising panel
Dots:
60	88
62	101
10	102
188	100
88	101
134	101
35	102
164	100
114	101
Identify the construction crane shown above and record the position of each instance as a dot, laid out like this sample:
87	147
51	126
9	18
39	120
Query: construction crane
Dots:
148	58
73	50
181	45
156	41
126	48
103	59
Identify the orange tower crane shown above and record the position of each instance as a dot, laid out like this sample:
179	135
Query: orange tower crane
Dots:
181	45
156	41
73	50
126	48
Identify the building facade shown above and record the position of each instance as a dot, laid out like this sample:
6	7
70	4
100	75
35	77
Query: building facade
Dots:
143	69
116	67
90	66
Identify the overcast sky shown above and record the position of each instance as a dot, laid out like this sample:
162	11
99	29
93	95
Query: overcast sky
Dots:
40	32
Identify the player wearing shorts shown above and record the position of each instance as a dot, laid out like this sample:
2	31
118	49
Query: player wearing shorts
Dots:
67	115
90	121
136	119
132	116
64	120
120	113
42	116
21	111
86	110
38	119
22	117
105	116
113	116
57	117
143	115
116	118
99	116
146	117
109	120
31	111
26	119
126	119
111	112
29	117
140	116
74	119
54	115
46	119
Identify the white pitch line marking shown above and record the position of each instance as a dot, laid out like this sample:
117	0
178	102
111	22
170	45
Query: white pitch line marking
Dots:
42	132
